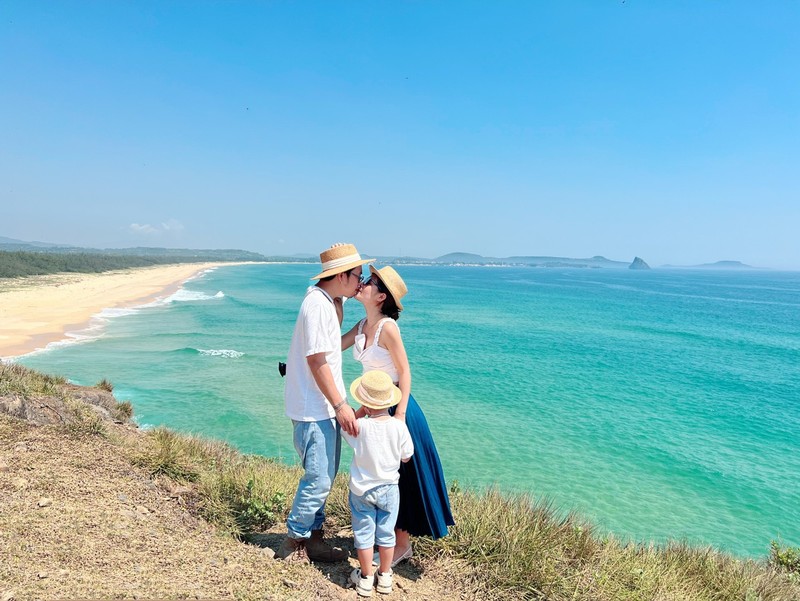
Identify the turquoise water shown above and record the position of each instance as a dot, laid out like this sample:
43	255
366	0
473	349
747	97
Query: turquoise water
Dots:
658	404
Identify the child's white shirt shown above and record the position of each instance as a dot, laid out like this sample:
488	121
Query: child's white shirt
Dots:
378	449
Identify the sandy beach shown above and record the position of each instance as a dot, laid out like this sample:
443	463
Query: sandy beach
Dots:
38	310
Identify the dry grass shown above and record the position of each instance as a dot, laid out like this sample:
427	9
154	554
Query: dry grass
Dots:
106	530
90	508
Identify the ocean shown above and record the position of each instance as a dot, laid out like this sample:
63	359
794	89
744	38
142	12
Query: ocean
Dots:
659	404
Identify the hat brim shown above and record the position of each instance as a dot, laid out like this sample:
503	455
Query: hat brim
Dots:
377	274
396	396
341	269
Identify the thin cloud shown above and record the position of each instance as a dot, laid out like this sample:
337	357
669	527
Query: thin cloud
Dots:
170	227
144	229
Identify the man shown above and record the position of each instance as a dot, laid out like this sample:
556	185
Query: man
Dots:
316	403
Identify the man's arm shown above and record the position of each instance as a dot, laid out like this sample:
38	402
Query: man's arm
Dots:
324	379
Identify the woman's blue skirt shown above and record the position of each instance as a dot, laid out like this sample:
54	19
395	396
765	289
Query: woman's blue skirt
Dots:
424	504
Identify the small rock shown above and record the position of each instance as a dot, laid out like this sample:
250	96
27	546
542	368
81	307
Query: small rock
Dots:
268	552
142	509
289	583
63	572
179	491
123	497
8	596
19	482
42	575
4	467
45	502
21	447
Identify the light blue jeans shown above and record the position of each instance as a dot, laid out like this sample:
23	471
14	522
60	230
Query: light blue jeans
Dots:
374	516
319	445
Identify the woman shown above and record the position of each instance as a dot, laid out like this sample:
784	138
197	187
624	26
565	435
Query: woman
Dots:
376	342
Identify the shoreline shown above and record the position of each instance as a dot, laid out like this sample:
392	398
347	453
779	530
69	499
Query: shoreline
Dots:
38	311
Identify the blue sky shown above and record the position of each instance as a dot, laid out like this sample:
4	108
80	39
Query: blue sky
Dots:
668	130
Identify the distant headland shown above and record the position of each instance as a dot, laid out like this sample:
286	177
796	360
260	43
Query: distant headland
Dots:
452	259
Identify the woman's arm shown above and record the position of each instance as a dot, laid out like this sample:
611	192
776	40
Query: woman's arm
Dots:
390	339
350	338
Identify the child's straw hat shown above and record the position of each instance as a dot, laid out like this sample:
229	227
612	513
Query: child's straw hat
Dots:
375	390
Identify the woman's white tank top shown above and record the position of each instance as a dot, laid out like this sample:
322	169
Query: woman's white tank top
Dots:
374	356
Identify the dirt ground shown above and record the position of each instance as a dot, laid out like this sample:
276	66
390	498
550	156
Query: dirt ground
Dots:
79	521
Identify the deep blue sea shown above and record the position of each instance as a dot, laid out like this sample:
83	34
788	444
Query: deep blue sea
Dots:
658	404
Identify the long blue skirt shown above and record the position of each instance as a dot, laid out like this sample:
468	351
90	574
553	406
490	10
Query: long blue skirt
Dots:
424	504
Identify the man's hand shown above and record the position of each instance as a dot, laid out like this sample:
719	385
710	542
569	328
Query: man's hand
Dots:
347	420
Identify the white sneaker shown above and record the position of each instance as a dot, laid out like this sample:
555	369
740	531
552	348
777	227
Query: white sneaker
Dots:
385	582
363	584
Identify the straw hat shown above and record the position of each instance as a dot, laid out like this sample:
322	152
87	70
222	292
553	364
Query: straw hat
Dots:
375	390
392	281
339	258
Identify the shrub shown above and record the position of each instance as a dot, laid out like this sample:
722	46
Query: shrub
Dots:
165	455
105	385
787	558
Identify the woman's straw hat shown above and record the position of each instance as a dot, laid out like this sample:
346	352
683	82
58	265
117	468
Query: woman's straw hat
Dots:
393	283
375	390
339	258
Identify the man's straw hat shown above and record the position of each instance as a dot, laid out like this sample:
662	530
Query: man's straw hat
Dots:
375	390
392	282
339	258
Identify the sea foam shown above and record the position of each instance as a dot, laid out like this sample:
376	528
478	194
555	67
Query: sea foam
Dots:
226	353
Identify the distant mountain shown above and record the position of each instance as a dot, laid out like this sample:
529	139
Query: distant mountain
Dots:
459	257
13	242
454	258
731	265
532	261
226	254
726	265
638	263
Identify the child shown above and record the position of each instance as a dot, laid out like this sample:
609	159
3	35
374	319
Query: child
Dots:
382	443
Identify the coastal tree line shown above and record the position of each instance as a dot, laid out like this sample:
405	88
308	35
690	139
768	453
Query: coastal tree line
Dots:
15	264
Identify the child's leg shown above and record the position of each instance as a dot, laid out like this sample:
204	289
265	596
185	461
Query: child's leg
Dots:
365	560
363	513
387	555
388	505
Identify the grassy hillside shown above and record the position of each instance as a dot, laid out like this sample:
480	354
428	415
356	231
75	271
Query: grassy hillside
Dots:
94	508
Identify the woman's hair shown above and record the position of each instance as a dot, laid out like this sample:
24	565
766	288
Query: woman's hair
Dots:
389	308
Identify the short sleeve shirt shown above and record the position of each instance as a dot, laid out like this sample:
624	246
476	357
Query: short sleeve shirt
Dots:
378	449
316	330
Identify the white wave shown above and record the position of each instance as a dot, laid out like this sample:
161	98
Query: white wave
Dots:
227	353
183	295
